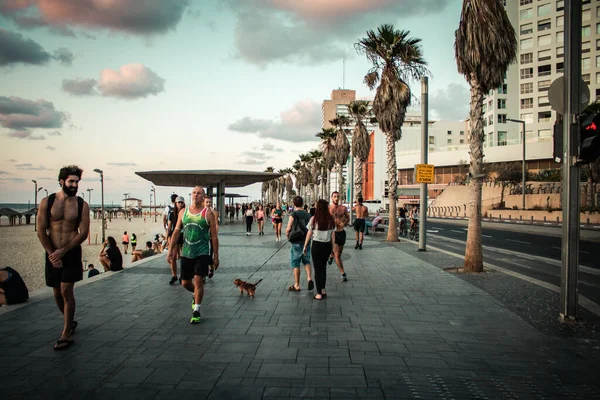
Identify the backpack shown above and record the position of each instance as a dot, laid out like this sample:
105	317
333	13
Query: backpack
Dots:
169	216
299	230
51	199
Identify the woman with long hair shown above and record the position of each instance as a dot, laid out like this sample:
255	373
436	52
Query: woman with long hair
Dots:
110	255
278	221
321	230
179	205
260	219
249	214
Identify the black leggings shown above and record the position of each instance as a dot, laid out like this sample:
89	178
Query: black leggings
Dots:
249	221
320	252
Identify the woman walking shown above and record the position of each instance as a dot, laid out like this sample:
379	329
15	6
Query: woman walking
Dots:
249	220
125	242
321	229
260	219
133	242
278	221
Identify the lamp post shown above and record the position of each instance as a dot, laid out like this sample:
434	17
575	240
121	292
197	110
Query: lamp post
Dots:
102	205
523	140
150	206
35	192
154	190
89	196
45	191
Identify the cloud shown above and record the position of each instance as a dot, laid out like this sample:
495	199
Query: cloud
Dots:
12	180
4	173
30	167
50	148
11	160
79	87
142	17
313	31
123	164
451	103
268	147
15	49
297	124
250	161
25	134
64	56
55	133
253	158
21	114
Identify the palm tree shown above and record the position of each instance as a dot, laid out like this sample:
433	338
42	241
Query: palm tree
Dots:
485	46
280	185
342	148
361	143
289	183
297	167
396	58
327	136
266	185
316	166
304	173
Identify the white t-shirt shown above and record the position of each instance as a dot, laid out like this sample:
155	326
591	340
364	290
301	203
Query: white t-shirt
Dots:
319	236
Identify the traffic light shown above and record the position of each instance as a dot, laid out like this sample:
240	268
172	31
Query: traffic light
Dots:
589	139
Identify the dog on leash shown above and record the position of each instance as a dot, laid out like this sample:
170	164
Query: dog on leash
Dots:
250	288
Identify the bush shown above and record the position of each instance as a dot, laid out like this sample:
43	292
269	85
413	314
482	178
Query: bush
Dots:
593	209
536	208
547	175
515	207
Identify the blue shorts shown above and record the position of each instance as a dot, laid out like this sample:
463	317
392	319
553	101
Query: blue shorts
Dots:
297	257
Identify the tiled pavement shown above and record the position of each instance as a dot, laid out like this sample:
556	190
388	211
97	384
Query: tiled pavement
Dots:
398	329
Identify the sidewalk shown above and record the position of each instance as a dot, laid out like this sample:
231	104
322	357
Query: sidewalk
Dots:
400	328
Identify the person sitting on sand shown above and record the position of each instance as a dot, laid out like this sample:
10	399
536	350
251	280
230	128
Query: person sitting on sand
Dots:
110	255
12	287
92	271
139	254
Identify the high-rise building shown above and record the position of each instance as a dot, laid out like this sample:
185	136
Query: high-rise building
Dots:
337	105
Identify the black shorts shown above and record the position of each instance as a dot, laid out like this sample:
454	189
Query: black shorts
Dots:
194	266
71	271
125	243
359	225
340	238
277	220
14	289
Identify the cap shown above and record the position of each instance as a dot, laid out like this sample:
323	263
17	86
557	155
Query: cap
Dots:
179	198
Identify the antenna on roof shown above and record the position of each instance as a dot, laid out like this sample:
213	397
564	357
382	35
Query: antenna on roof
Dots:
344	73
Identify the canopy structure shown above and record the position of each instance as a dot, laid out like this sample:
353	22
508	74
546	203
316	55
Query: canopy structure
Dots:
218	179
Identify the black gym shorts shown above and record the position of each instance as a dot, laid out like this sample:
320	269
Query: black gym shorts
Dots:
71	271
340	238
194	266
359	225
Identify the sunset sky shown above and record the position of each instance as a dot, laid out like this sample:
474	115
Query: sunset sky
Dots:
137	85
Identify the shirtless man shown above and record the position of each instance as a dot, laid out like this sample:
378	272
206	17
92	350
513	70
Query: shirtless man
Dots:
62	226
341	217
362	212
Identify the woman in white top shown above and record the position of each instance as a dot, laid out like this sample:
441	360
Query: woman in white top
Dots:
321	229
249	219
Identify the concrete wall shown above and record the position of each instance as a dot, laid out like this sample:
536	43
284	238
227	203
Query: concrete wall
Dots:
458	195
554	216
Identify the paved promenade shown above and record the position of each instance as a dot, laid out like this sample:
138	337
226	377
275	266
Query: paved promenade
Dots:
400	328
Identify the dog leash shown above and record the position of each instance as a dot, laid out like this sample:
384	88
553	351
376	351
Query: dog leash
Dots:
265	263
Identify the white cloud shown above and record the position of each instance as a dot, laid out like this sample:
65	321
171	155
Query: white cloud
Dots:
451	103
79	87
131	81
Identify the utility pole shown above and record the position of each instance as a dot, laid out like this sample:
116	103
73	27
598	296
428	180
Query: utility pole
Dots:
35	191
571	171
424	159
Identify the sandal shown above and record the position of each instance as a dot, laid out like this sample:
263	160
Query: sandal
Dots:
63	344
293	289
316	298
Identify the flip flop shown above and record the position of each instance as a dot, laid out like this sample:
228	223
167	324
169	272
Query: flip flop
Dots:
293	289
59	344
316	298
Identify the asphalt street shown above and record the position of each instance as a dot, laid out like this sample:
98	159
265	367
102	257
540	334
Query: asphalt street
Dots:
518	249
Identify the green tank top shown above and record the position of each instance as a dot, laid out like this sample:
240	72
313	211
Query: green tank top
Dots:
196	234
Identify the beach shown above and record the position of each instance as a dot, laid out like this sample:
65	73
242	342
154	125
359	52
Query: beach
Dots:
21	249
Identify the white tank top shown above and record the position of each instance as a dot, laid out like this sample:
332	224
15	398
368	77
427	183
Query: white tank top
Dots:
319	236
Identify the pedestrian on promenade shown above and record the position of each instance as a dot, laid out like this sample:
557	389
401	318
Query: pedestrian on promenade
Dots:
320	230
340	215
110	255
133	242
278	221
249	214
211	269
362	212
299	254
179	205
12	287
125	242
260	219
168	210
198	226
63	222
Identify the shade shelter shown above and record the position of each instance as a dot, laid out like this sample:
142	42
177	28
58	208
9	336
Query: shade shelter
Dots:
30	213
217	179
11	214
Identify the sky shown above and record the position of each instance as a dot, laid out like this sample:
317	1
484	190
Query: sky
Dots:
141	85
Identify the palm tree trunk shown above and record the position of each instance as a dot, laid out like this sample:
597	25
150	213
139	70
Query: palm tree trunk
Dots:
474	251
590	191
392	174
358	178
328	192
339	177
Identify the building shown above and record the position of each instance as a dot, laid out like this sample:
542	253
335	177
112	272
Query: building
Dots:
335	106
131	203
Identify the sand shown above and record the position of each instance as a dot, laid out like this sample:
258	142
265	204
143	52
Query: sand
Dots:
21	249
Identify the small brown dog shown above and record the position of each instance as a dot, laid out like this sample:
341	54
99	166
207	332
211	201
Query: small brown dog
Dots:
250	288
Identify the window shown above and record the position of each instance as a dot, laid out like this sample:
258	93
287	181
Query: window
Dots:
544	133
462	141
501	138
449	141
526	73
544	10
585	31
525	2
526	103
449	132
560	37
431	139
597	61
544	116
586	15
527	117
544	40
526	43
545	70
585	63
503	89
491	120
527	58
501	118
526	28
586	78
597	94
560	51
544	24
598	12
501	104
484	107
526	14
597	44
560	21
462	133
543	101
597	77
560	68
526	88
544	55
544	85
560	5
597	29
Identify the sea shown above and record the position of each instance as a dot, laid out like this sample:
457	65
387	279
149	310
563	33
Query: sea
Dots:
23	207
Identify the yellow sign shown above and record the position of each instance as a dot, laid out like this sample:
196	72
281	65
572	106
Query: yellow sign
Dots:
424	173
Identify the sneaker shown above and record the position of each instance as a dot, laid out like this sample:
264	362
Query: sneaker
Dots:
330	261
173	280
356	246
360	246
195	318
344	278
211	272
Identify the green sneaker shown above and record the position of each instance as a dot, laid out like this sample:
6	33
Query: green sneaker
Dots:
195	318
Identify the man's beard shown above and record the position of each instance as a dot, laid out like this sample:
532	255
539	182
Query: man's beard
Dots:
69	191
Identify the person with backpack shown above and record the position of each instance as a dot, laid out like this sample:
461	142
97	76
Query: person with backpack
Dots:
296	232
63	221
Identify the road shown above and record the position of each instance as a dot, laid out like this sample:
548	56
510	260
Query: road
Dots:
531	251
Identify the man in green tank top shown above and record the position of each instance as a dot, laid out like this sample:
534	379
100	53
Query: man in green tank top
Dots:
198	225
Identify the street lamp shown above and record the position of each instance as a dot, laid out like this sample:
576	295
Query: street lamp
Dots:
90	196
45	191
150	206
102	191
35	191
523	140
154	190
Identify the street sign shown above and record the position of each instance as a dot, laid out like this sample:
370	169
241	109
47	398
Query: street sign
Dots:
556	95
424	173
